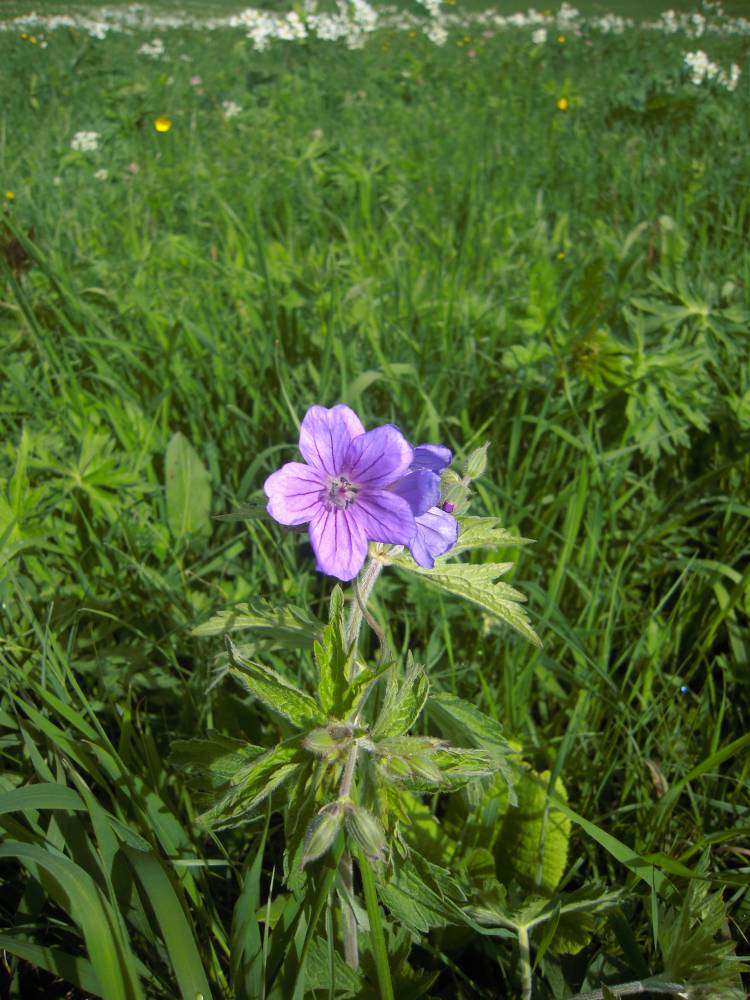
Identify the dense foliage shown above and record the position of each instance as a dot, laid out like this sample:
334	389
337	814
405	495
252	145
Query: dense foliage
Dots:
540	245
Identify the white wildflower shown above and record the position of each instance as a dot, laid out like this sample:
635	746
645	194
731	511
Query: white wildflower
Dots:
734	77
436	33
153	49
539	37
230	108
102	175
85	142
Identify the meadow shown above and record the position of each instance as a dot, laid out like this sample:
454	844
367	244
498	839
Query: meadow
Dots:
529	233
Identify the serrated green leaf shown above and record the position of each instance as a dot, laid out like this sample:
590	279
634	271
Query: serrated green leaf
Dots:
477	583
416	904
275	691
188	488
475	821
532	848
484	532
463	722
572	933
403	703
333	659
283	627
253	785
219	757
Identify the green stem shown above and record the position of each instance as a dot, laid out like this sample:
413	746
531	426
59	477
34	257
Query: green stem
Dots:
377	937
348	918
524	952
653	985
366	582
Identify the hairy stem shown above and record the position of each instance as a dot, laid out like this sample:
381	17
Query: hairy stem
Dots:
654	985
524	954
363	589
348	919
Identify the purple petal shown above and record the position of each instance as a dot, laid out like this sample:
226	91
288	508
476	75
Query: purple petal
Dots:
434	457
378	457
325	436
293	492
420	489
383	517
437	532
338	542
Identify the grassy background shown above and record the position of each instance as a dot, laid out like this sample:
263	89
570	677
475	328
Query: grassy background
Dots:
423	234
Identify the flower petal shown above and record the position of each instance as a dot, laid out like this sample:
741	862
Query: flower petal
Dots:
339	545
325	436
436	532
420	489
434	457
293	492
383	517
378	457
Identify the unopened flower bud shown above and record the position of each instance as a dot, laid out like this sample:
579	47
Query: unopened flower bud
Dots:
328	741
426	768
476	463
453	491
322	831
366	832
395	768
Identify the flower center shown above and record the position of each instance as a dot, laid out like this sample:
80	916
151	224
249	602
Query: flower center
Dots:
339	492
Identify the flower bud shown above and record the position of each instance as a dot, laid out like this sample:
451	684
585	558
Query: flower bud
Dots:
394	768
476	463
453	491
425	768
366	832
322	831
328	741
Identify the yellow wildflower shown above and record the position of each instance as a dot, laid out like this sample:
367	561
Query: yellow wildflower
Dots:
163	123
562	104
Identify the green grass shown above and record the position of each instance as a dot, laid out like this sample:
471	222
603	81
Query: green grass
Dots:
421	233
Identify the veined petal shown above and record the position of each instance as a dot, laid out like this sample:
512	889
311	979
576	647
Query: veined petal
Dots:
379	457
339	545
420	489
325	436
437	532
293	492
383	517
434	457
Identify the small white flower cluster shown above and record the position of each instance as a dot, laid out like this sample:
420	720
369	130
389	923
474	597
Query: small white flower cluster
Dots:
230	109
261	26
85	142
153	49
353	21
539	37
701	68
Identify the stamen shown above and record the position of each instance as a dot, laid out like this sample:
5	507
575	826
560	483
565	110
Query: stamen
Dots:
340	492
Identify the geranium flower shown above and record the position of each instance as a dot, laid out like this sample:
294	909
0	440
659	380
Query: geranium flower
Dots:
436	530
340	489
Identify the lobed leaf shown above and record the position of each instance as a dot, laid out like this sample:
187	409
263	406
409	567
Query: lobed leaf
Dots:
477	583
283	627
403	703
276	693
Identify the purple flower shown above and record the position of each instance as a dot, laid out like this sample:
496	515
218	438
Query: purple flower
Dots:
340	489
436	531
